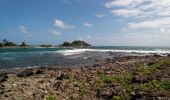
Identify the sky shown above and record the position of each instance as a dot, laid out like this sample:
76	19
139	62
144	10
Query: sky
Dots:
98	22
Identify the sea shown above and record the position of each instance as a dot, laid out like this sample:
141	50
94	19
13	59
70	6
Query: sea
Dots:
39	56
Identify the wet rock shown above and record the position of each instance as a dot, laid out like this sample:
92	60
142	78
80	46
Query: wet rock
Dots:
3	77
25	73
96	65
157	55
168	55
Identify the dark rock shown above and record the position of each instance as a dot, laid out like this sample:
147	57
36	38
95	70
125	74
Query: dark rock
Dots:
3	77
96	65
105	94
137	79
57	85
25	73
63	76
157	55
151	63
137	95
168	55
39	71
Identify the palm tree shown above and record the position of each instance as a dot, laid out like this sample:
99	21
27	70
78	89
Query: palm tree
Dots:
4	41
23	44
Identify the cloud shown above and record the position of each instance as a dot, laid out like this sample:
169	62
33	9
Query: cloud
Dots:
123	3
126	13
54	32
134	39
88	36
29	35
151	24
88	24
99	15
60	24
148	21
80	38
23	29
140	8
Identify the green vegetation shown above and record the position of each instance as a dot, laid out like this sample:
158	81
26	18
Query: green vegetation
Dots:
45	45
51	97
124	80
153	84
76	43
120	79
166	85
23	44
147	70
7	43
83	88
66	44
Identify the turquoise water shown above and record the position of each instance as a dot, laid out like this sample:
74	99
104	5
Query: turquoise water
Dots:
28	57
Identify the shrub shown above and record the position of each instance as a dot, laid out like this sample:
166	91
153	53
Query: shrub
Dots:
51	97
166	85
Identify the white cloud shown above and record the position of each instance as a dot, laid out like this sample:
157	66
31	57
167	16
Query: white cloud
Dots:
60	24
23	29
29	35
99	15
140	8
80	38
151	24
54	32
134	39
123	3
88	36
88	24
126	13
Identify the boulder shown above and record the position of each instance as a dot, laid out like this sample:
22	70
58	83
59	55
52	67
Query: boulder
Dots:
3	77
168	55
137	79
157	55
25	73
62	76
39	71
137	95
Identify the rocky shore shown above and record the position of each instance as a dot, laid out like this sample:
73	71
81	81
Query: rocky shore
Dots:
123	78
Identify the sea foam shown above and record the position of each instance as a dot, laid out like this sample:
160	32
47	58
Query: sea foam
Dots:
80	51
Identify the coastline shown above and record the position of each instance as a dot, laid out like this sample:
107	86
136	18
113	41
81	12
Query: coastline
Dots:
91	82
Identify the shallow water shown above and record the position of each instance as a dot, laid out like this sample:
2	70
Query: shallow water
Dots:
29	57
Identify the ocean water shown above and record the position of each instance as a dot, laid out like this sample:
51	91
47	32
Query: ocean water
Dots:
29	57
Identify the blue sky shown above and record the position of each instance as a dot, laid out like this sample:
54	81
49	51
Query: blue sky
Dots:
99	22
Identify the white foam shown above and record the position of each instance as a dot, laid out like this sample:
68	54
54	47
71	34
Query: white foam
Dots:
80	51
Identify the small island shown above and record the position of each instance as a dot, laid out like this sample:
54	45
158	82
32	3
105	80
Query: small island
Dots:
8	44
76	43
